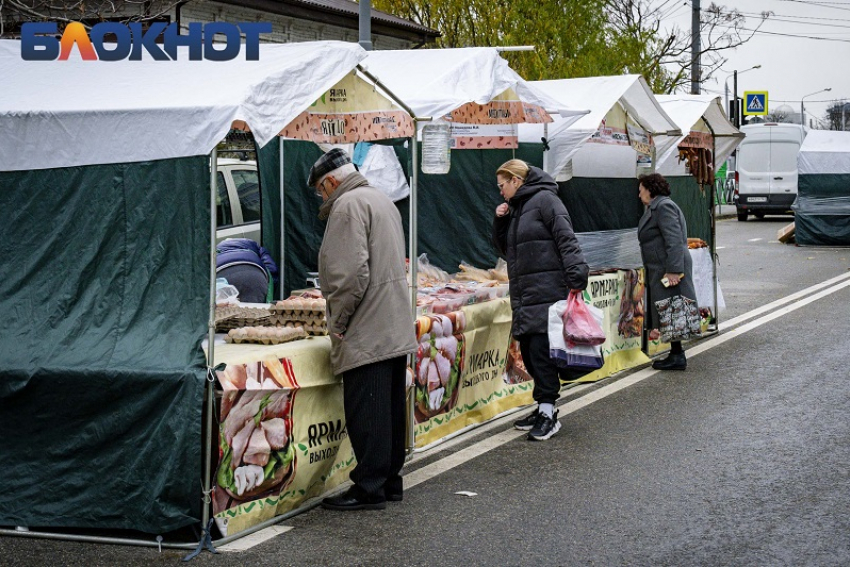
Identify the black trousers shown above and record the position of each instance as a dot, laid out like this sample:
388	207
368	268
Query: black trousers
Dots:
375	419
535	355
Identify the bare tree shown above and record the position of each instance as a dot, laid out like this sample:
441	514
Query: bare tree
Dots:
778	116
838	115
666	51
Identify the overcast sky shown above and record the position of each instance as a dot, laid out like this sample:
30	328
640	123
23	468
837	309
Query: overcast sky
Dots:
792	64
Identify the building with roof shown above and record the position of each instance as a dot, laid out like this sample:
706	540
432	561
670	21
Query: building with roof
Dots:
292	20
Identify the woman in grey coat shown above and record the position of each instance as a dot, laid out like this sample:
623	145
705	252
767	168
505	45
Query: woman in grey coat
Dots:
663	237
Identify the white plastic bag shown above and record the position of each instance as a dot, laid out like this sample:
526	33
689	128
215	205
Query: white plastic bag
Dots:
571	355
225	293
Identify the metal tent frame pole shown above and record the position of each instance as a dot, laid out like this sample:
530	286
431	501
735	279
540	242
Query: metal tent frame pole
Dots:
713	223
282	256
210	382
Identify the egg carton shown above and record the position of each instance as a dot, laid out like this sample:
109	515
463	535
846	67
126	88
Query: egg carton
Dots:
265	335
306	318
240	322
314	328
295	308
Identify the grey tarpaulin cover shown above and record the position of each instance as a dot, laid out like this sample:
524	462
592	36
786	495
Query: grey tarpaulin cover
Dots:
822	208
104	301
611	249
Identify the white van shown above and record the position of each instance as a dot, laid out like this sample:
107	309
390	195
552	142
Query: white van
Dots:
238	201
766	169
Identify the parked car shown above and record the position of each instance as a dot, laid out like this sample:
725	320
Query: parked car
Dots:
766	169
238	202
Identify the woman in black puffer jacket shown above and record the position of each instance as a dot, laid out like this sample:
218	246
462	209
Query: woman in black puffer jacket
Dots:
533	232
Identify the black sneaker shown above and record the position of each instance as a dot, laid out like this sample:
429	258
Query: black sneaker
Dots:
545	427
527	423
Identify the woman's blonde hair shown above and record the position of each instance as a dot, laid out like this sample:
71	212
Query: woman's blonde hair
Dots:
514	168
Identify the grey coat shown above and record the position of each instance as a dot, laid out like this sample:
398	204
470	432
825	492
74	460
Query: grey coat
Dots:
663	237
362	274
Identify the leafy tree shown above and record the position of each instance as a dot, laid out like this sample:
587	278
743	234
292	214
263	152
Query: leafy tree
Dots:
571	37
576	38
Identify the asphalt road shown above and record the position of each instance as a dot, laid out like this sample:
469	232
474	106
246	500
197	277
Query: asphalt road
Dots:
741	460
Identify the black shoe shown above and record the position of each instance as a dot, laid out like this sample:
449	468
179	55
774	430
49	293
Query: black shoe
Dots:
347	501
527	423
672	362
545	427
395	496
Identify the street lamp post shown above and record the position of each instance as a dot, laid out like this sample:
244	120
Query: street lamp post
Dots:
735	117
803	108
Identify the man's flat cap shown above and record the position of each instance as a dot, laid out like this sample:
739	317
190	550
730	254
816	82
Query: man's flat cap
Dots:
332	160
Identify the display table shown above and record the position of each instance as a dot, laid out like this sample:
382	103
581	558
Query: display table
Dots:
282	426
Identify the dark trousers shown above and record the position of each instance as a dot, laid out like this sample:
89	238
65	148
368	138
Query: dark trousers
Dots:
375	419
535	355
251	281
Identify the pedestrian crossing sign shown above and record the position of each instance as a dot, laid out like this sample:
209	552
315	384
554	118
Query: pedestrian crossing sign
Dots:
755	103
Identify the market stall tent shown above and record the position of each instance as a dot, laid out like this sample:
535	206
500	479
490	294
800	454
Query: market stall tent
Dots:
708	138
596	159
695	113
106	196
613	101
822	209
460	86
706	129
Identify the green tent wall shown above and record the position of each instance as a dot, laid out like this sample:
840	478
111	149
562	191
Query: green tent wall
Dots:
105	301
455	210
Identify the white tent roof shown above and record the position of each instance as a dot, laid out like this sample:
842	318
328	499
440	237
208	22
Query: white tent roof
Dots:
686	110
75	112
434	82
599	94
825	151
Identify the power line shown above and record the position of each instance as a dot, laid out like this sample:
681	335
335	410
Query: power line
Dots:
772	15
799	36
822	4
816	24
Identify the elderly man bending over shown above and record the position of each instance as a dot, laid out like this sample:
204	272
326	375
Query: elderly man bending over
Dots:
362	275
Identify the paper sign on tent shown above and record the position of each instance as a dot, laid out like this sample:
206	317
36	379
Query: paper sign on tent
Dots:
755	103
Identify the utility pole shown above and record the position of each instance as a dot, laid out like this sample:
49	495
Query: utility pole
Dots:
695	48
735	104
365	25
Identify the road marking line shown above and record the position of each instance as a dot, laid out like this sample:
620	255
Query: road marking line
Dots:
428	472
719	247
782	301
256	538
754	239
499	422
464	455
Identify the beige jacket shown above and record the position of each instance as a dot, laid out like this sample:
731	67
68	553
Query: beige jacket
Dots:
362	274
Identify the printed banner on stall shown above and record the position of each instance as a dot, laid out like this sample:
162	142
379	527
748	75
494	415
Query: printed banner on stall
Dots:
466	372
351	111
639	139
610	132
506	108
484	136
700	140
282	440
620	295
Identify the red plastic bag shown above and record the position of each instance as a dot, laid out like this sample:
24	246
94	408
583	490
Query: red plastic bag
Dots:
580	327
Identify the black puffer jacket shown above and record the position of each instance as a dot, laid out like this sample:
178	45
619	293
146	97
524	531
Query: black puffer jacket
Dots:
544	258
